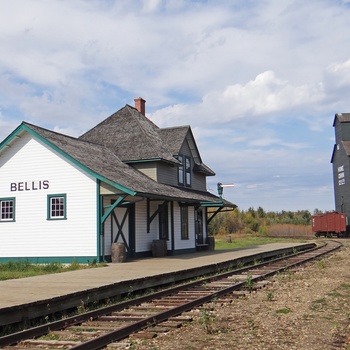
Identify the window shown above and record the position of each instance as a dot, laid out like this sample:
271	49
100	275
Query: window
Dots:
184	173
184	222
7	208
188	170
181	170
56	207
163	222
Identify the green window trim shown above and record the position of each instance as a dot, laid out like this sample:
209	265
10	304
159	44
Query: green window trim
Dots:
57	206
7	209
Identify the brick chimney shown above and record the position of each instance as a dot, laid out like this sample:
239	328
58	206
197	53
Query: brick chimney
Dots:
140	105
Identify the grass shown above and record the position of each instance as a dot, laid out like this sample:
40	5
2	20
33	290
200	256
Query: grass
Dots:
283	311
21	269
245	241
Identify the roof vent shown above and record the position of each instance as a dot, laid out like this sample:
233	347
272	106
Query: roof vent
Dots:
140	105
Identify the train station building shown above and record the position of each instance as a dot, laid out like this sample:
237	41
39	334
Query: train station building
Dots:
124	181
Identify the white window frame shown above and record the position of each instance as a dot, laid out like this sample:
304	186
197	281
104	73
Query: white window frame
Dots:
57	213
181	170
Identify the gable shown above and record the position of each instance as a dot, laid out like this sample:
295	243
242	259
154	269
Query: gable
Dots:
30	166
131	136
180	140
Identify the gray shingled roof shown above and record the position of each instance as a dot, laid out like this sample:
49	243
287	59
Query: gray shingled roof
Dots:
131	136
104	162
174	137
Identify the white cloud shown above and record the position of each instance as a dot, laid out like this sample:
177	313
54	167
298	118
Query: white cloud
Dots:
337	79
265	95
259	82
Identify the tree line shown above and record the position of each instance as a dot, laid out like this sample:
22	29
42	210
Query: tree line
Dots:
256	221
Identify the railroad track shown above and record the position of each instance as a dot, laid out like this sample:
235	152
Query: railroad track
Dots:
156	312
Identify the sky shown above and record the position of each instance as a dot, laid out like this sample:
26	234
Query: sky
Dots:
258	81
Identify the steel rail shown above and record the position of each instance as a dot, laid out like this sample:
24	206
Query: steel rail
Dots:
123	332
153	320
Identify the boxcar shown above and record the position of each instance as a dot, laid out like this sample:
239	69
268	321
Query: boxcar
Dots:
329	224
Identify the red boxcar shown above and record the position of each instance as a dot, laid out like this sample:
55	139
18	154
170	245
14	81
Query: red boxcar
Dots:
329	224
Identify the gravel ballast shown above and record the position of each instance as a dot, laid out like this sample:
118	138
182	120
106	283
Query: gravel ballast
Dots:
304	309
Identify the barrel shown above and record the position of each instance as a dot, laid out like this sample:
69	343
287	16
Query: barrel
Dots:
159	247
118	254
211	242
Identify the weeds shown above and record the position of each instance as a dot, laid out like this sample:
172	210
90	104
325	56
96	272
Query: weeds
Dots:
345	286
334	294
249	284
270	296
82	308
283	311
206	320
24	268
321	264
308	316
130	292
240	264
286	275
318	305
50	336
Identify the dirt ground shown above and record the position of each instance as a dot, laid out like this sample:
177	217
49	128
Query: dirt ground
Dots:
306	309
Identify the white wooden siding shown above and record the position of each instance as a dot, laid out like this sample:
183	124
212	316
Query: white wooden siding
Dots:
144	239
119	212
32	235
189	243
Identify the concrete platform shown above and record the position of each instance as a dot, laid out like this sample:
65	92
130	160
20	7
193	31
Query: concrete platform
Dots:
25	294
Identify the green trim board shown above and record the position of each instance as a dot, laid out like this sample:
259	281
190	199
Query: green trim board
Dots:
10	137
212	204
51	259
111	208
99	200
